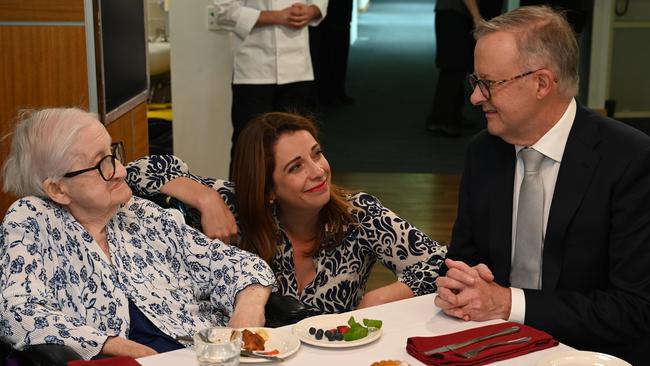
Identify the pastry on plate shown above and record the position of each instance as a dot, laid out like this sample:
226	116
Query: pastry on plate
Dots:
389	363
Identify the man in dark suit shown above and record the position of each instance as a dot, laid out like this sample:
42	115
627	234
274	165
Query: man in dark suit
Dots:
561	241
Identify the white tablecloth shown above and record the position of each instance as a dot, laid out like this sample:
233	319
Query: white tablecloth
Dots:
402	319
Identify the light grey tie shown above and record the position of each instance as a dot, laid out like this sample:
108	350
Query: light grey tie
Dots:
527	262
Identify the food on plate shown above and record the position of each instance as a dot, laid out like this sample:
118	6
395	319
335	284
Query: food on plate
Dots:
372	323
262	333
272	352
252	341
356	331
389	363
350	332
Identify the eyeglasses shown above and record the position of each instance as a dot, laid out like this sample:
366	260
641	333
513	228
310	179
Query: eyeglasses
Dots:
485	85
106	167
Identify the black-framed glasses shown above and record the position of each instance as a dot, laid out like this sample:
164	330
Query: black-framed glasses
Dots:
485	86
106	167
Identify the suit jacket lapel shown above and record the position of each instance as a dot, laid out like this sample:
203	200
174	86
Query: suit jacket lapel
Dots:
576	171
501	186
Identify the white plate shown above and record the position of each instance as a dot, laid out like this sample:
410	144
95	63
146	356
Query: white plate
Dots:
301	329
581	358
285	342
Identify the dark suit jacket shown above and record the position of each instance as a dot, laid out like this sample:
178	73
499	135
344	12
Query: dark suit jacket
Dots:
596	262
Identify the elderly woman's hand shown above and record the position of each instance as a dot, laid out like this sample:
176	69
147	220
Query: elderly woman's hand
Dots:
118	346
249	307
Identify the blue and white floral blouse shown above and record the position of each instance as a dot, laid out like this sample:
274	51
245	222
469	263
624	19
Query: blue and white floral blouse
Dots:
342	271
58	286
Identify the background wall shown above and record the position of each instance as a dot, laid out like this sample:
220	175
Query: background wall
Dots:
157	18
201	70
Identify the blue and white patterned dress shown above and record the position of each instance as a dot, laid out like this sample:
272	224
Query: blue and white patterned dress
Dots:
342	271
58	286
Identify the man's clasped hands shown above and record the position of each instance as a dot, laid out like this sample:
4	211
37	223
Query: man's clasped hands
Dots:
470	293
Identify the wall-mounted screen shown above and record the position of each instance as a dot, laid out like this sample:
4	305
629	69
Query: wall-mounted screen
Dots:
122	46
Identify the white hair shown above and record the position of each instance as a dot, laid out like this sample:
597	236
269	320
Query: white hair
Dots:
41	148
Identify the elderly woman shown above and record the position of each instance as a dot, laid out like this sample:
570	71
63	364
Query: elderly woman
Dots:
320	240
87	265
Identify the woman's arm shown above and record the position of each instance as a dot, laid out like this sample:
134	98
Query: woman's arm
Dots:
389	293
170	175
408	252
230	277
119	346
147	175
249	307
217	221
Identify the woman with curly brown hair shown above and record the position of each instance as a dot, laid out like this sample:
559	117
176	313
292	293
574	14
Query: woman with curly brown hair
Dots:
320	240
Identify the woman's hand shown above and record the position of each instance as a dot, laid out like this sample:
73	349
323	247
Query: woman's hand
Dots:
389	293
217	221
249	307
118	346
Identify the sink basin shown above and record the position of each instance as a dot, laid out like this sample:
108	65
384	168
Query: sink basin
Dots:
158	57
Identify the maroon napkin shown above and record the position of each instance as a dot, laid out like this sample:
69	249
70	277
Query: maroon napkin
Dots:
112	361
416	346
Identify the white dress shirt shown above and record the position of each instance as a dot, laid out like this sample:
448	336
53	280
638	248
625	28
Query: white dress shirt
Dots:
270	54
552	145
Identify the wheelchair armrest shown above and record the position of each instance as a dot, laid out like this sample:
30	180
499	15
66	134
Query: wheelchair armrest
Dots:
47	354
283	310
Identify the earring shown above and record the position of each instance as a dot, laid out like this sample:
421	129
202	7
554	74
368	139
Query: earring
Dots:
271	202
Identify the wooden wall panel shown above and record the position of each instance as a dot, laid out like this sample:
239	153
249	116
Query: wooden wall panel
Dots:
41	10
120	130
140	131
132	129
40	66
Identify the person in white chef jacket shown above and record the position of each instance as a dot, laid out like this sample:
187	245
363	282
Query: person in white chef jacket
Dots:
272	68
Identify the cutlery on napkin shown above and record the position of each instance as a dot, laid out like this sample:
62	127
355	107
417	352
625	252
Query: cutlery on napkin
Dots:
454	346
417	346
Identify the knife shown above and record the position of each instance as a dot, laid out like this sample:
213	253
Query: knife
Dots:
454	346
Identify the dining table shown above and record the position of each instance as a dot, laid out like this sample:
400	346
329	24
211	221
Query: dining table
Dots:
402	319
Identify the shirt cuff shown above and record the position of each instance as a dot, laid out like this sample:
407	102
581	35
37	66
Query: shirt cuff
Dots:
517	305
322	6
247	19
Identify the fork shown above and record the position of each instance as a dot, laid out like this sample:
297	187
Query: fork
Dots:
475	351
